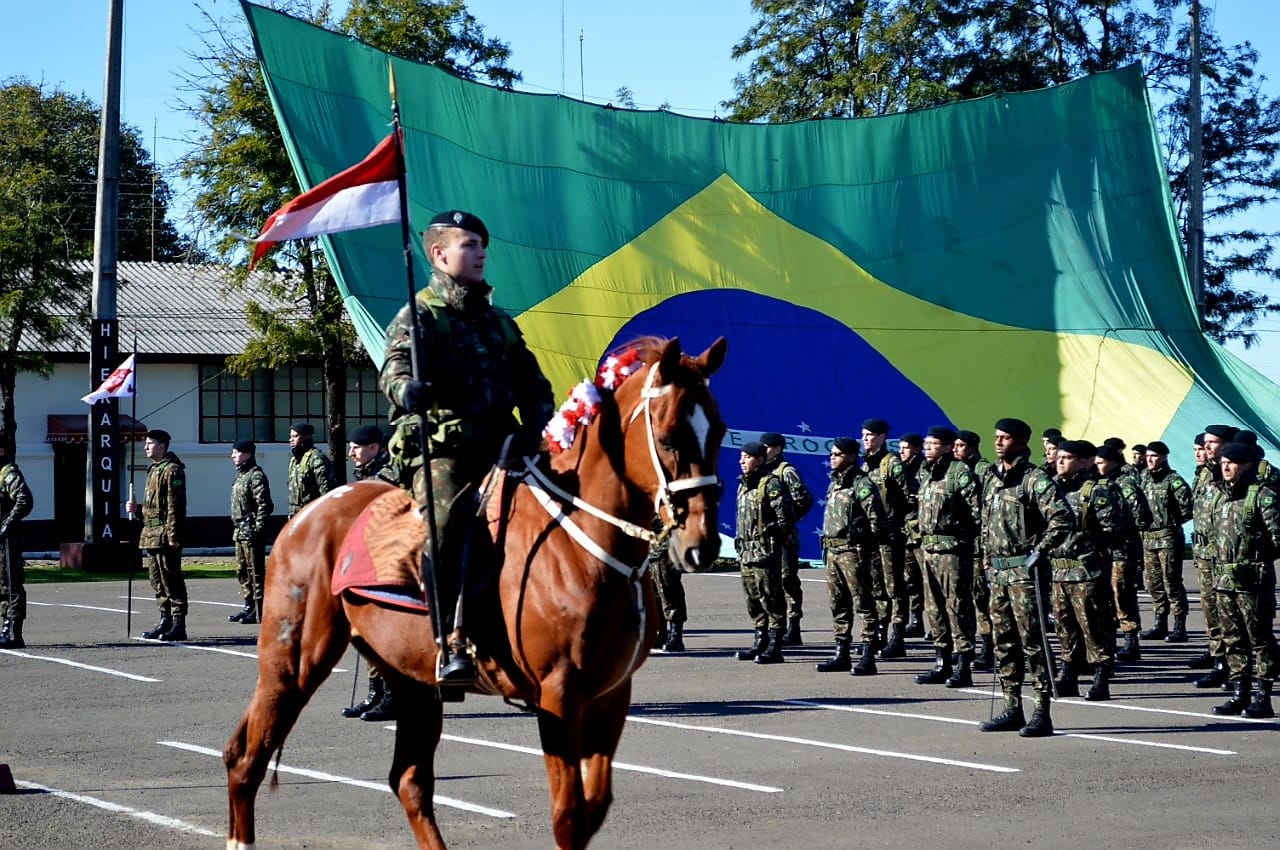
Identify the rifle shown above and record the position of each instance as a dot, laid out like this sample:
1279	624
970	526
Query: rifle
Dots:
1033	560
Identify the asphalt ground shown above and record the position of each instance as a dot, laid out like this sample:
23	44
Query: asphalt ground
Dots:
115	743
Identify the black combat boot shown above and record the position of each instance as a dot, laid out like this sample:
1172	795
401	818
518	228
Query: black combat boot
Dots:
866	666
1216	676
985	660
915	626
675	638
792	635
1178	634
1261	705
1240	690
385	709
177	631
895	647
6	633
12	635
1011	719
252	618
962	677
1203	661
371	699
940	672
166	623
762	637
1159	631
660	639
246	611
1041	724
772	651
1066	683
1131	651
1101	690
838	663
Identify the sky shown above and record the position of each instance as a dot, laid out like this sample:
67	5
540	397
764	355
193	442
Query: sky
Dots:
672	51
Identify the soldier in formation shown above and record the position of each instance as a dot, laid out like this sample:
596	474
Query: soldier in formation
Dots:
801	501
310	470
968	449
889	568
1205	493
911	453
765	518
251	507
1126	560
1169	497
164	517
15	504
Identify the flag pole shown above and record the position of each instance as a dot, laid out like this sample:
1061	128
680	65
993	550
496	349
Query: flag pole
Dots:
430	584
133	453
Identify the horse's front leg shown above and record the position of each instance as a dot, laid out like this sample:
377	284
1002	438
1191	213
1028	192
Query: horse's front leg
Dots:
562	751
418	727
601	731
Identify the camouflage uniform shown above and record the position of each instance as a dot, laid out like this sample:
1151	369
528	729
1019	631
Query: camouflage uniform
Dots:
1246	535
980	467
764	517
1169	497
1205	493
913	568
801	501
667	579
887	472
15	503
1128	495
251	506
164	515
1079	563
310	476
853	524
380	468
950	513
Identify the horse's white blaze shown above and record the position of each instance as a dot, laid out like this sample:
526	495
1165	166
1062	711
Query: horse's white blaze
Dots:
701	426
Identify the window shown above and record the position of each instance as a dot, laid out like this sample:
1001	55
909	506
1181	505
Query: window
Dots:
263	407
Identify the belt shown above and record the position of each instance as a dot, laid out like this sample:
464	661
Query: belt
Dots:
153	523
1008	563
939	540
1064	563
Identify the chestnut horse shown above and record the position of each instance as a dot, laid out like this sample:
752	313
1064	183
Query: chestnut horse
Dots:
563	626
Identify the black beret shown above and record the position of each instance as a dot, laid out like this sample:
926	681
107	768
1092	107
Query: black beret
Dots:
969	437
159	436
1114	441
366	435
1056	440
1016	428
1247	437
1078	448
773	440
912	439
1239	453
1158	447
754	448
1200	439
303	429
941	432
463	220
245	446
1222	432
1140	448
848	445
1048	432
875	426
1106	451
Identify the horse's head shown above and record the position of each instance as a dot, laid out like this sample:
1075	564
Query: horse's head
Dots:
672	433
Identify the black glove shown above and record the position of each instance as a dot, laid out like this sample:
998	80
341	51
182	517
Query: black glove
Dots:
412	395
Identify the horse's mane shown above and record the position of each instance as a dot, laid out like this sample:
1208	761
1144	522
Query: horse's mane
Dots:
647	348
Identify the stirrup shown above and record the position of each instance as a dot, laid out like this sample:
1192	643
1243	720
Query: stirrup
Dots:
461	669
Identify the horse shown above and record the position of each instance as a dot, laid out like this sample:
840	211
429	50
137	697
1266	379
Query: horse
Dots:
562	626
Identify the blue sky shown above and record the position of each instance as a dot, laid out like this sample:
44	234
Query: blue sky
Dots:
663	50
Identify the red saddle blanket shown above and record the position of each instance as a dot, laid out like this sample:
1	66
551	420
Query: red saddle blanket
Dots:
381	557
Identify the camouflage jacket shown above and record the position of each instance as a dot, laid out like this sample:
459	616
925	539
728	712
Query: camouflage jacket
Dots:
1246	537
310	477
765	517
797	491
1139	473
380	468
1022	510
889	474
1206	490
15	498
251	503
950	505
854	514
164	505
1267	474
1099	528
478	369
1169	497
1133	502
911	523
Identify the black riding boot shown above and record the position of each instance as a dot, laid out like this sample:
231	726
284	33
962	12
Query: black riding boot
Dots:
246	611
166	623
772	651
1216	676
675	638
985	660
940	672
1066	682
895	647
177	631
792	635
1101	690
1131	651
838	663
371	699
1239	699
1178	634
1261	705
866	665
962	677
762	637
1159	631
385	709
1011	719
1041	724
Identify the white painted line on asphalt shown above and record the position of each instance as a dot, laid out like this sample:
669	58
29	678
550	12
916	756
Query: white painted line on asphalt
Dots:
808	742
618	765
1125	706
106	670
853	709
189	601
150	817
218	649
347	780
1185	747
84	607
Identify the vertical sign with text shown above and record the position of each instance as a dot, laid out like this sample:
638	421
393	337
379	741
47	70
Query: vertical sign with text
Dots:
103	524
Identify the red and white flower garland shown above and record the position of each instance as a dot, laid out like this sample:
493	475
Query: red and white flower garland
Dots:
584	399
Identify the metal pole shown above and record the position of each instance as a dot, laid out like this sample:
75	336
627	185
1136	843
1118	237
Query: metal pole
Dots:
1195	173
582	79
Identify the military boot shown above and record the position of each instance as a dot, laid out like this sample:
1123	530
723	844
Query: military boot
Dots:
675	639
1178	634
772	651
6	632
660	639
461	668
1203	661
177	631
1159	631
246	611
1131	651
1011	720
12	636
371	699
1041	724
985	660
838	663
166	623
1066	683
1239	699
1261	705
251	617
915	626
962	677
1216	676
1101	690
895	647
866	666
940	672
762	637
384	709
791	637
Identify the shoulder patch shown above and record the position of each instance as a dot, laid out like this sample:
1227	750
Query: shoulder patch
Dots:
1266	498
1043	485
864	491
965	477
896	468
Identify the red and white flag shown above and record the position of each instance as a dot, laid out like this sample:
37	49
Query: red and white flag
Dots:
119	384
365	195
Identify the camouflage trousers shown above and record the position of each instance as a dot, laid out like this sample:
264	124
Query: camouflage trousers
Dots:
982	601
1124	593
668	582
453	487
13	581
164	570
762	586
791	588
849	589
251	569
1209	605
913	570
1084	626
1019	643
1245	618
892	563
1163	569
948	600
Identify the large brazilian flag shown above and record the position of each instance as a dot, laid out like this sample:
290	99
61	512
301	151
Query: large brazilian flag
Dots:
1015	255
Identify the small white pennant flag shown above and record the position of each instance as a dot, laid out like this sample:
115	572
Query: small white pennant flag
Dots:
119	384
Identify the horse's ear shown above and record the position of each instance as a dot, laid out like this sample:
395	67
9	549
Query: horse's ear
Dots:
669	360
710	361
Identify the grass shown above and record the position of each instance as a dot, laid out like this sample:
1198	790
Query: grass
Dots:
49	572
